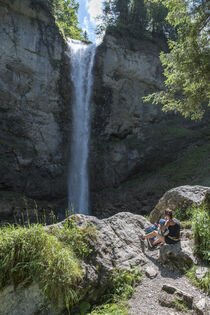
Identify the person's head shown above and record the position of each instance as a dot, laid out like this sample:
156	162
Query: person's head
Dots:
168	214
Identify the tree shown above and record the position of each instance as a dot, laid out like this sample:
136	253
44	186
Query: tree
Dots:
187	65
138	16
121	8
65	12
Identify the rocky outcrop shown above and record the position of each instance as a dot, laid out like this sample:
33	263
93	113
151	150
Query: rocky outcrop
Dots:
134	144
117	246
178	257
34	101
181	198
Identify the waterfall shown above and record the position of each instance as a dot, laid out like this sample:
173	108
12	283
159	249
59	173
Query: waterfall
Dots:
82	60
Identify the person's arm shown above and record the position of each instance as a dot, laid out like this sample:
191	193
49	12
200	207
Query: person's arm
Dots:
165	226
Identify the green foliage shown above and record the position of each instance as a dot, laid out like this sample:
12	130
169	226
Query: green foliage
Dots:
65	12
118	308
199	219
135	17
78	238
187	65
32	254
124	282
203	283
182	215
123	285
201	233
189	166
181	305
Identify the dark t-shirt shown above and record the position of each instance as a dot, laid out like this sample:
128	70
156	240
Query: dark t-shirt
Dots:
174	233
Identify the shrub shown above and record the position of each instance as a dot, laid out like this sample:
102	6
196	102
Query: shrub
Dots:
124	282
123	285
32	254
80	239
201	234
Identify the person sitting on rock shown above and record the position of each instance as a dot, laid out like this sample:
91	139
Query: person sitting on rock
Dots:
173	235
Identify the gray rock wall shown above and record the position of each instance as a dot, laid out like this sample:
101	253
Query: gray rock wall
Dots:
132	140
34	101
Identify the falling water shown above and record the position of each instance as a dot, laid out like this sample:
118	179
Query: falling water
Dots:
82	60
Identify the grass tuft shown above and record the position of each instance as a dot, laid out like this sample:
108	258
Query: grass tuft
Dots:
30	254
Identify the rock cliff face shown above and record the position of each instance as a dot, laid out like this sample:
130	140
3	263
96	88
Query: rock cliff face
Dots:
34	101
135	144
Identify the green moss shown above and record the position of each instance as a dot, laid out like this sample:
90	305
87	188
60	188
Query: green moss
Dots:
168	130
189	167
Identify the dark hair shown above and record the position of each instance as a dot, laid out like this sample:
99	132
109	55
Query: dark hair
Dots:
169	213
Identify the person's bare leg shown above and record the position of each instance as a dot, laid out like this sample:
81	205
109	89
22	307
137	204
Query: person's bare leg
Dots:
161	239
151	235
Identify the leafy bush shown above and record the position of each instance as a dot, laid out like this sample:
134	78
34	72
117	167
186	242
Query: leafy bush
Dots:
32	254
201	234
183	215
123	285
124	282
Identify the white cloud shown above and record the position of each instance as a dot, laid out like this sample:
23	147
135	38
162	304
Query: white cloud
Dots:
94	8
85	25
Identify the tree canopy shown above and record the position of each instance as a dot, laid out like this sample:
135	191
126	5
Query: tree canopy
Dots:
187	65
139	17
65	12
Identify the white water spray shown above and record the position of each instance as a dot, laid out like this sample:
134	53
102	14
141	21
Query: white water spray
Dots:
82	60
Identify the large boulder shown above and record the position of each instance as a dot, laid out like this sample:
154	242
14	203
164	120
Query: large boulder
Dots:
182	198
178	257
117	246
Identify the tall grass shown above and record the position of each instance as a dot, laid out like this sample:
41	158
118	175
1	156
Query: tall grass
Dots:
34	255
201	231
198	218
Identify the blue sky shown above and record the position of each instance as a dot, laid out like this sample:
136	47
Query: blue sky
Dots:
88	11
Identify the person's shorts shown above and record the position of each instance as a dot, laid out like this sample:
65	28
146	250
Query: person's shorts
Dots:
170	241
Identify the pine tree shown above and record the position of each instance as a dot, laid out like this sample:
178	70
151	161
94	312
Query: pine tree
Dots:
187	65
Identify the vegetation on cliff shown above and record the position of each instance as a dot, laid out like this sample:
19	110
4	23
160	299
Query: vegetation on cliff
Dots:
138	18
199	217
65	13
187	65
50	258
